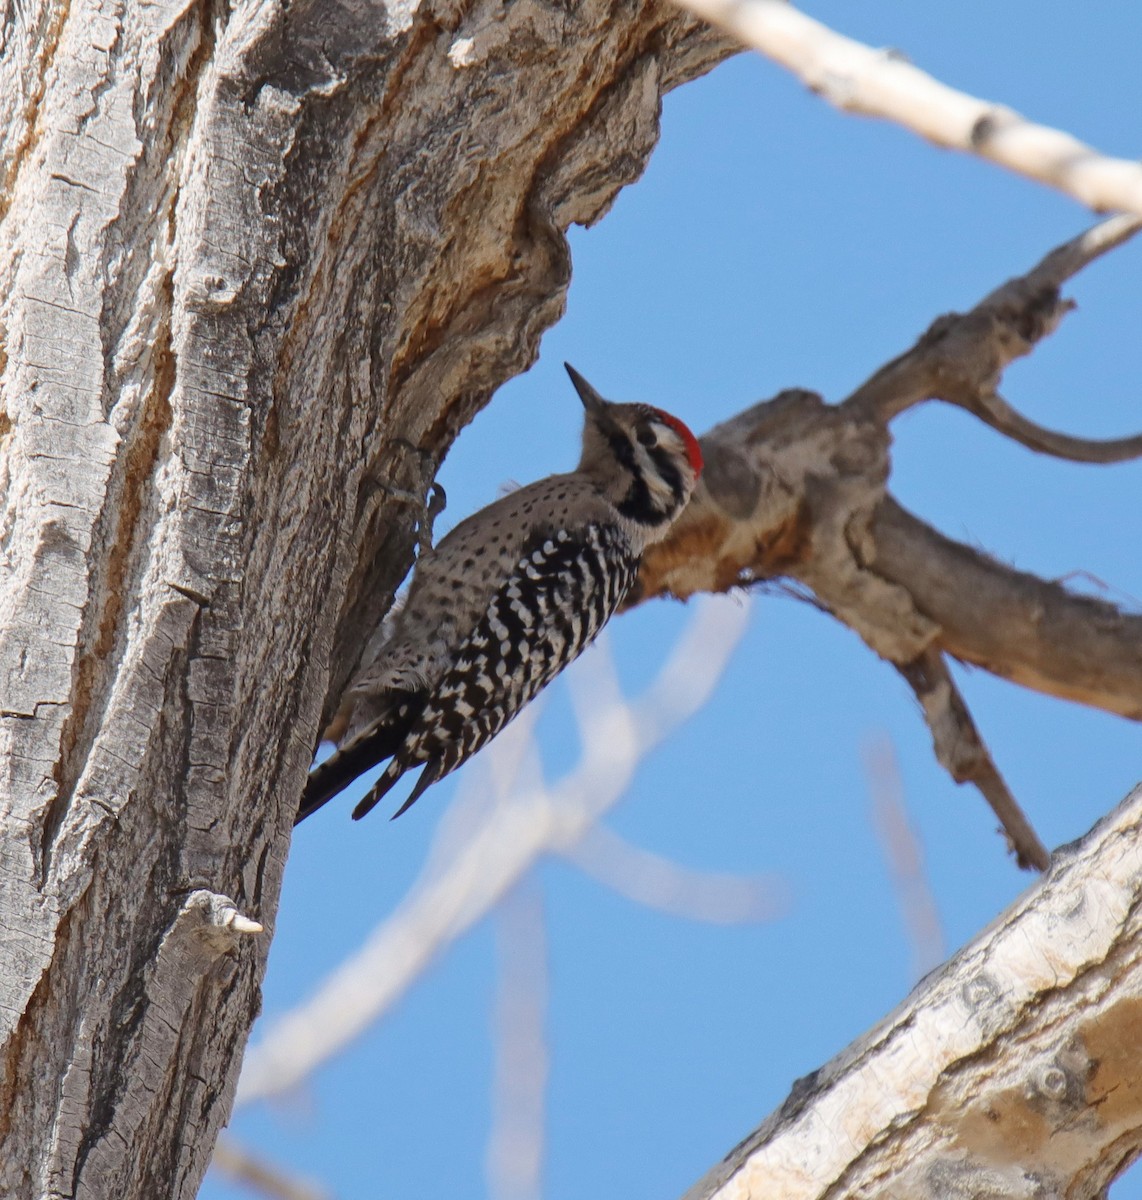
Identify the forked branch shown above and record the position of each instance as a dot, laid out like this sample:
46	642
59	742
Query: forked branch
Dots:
798	489
962	356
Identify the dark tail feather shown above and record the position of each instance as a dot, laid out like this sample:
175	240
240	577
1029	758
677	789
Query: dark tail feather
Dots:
431	773
373	745
380	789
428	777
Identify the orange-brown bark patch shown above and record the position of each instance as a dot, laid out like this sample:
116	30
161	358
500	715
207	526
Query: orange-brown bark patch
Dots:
1004	1128
1114	1044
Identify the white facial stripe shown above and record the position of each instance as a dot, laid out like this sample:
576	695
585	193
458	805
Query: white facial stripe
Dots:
659	489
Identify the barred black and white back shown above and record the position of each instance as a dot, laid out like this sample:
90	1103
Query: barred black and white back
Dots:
508	599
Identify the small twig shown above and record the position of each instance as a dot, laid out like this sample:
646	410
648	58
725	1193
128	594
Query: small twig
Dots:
905	857
657	882
993	410
961	357
963	754
1126	600
881	83
516	1144
250	1170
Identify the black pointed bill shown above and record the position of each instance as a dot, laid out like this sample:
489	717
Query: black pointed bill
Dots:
591	399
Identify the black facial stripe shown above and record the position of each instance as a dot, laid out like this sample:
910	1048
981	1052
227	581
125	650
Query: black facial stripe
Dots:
667	470
622	449
637	505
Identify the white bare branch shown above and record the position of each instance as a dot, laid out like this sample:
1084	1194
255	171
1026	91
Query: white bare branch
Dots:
881	83
484	852
516	1144
905	857
647	878
1009	1073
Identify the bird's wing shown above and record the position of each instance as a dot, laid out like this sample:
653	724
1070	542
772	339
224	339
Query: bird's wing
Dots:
564	588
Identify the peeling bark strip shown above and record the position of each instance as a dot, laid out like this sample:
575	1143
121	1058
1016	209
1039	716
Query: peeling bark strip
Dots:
255	274
1011	1073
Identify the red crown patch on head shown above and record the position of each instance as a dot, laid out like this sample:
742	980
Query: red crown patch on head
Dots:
693	450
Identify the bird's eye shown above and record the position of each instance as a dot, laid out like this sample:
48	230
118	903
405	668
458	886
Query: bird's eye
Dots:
647	437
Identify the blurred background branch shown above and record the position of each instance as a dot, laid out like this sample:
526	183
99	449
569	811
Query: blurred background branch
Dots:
904	856
882	83
486	845
256	1174
522	1058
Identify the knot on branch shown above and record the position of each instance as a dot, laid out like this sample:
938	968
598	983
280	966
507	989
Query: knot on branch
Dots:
964	355
210	920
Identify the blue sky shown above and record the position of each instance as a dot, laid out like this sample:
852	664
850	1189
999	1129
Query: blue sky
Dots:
772	243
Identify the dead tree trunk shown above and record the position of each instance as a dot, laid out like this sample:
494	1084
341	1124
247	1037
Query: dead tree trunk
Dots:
258	265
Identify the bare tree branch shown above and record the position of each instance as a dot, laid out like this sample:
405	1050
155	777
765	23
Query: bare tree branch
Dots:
1003	326
1029	630
881	83
1066	261
962	752
962	356
798	488
1009	1073
647	878
905	857
993	410
250	1170
516	1144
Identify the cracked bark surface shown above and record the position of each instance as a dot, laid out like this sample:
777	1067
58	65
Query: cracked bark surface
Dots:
1009	1073
258	266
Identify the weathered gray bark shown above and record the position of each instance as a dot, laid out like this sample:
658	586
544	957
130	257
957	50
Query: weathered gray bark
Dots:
1011	1073
258	265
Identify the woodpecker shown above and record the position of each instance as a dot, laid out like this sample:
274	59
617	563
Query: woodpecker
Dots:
508	599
